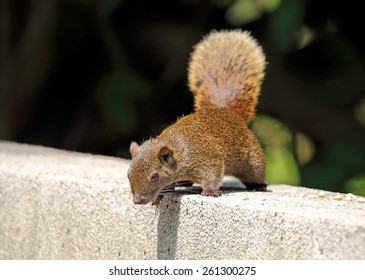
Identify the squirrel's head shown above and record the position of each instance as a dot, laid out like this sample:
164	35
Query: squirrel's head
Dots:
152	168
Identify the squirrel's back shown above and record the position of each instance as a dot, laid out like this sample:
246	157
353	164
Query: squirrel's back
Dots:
226	70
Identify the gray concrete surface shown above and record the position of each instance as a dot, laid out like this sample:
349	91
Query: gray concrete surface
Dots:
64	205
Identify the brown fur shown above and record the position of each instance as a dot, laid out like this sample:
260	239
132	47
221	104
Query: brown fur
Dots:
226	70
225	74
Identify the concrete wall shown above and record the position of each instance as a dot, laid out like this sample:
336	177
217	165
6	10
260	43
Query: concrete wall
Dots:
65	205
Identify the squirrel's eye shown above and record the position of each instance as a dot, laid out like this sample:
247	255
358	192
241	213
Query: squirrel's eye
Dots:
154	177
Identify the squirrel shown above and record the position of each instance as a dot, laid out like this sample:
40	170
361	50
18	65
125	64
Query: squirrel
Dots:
225	73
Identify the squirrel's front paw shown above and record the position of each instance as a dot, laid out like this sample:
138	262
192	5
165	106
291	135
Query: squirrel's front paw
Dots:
211	192
156	201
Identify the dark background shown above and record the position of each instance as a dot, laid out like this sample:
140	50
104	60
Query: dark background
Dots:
91	76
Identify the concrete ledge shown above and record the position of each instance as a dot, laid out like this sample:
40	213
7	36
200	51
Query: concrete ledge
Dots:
65	205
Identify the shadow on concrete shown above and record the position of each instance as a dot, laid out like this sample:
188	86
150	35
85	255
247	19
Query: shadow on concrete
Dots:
167	227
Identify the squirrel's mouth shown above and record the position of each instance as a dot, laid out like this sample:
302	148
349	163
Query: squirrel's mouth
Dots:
144	198
141	198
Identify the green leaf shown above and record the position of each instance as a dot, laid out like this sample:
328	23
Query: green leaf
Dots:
281	166
356	185
286	23
242	12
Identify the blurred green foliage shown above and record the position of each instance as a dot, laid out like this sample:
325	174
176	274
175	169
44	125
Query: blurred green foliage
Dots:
94	75
281	163
117	90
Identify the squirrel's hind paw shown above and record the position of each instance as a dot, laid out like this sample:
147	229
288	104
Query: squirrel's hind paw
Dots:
211	192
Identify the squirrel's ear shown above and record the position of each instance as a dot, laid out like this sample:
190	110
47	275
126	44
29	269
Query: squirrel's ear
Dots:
165	155
133	148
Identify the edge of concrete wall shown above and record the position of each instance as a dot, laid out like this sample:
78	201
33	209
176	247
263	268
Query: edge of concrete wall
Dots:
65	205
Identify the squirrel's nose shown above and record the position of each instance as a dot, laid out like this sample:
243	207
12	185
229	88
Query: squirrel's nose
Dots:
139	199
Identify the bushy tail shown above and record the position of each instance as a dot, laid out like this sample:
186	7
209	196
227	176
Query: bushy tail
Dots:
226	70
